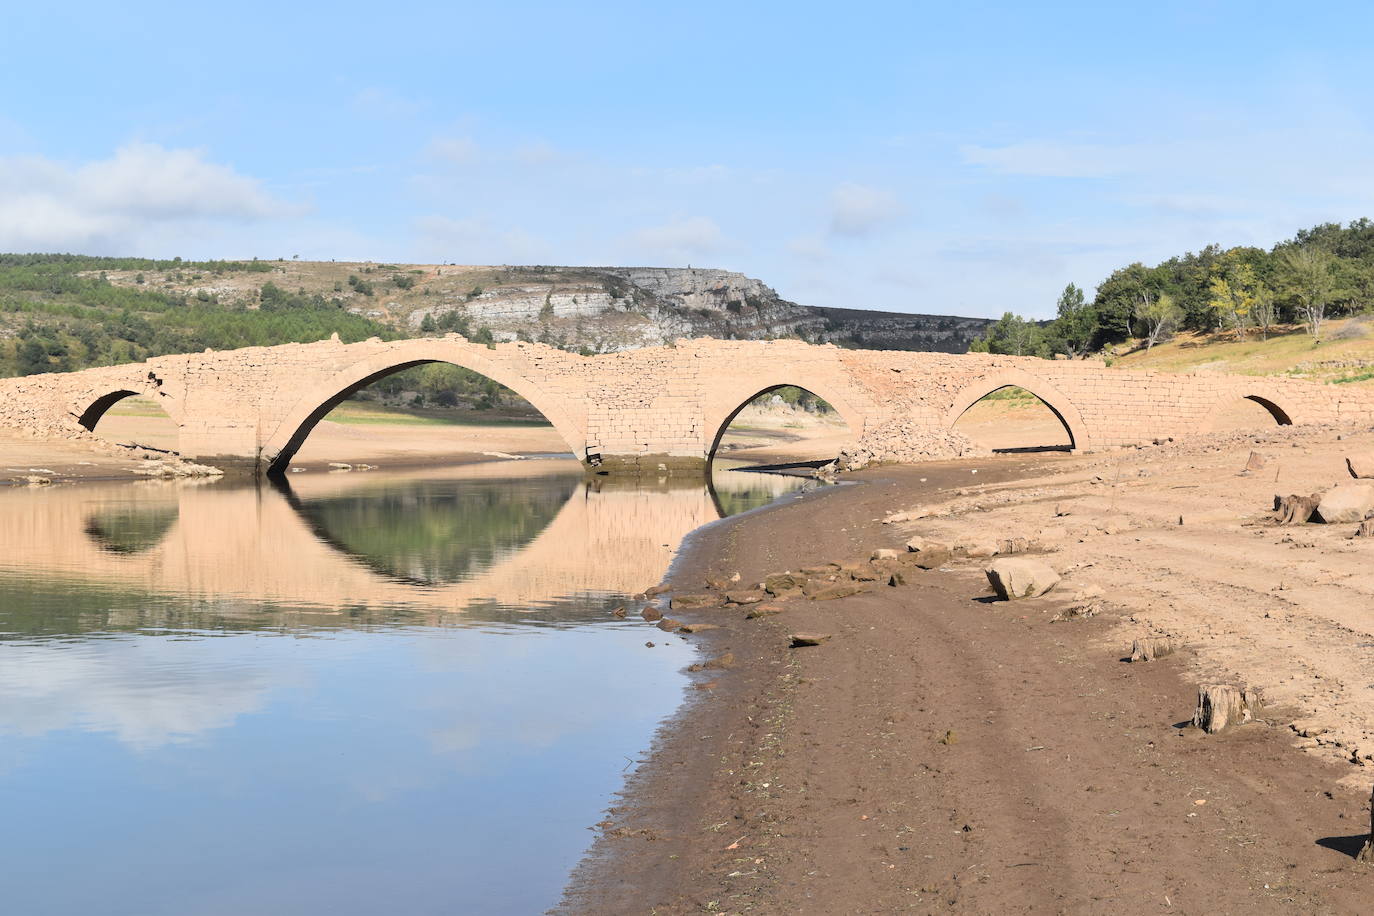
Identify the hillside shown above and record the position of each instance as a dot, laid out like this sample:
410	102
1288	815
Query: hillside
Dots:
62	312
1344	356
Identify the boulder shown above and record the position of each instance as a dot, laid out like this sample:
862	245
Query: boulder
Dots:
1149	648
1360	466
749	597
926	554
824	569
832	590
801	640
884	553
763	610
1346	502
980	549
1015	578
781	582
896	579
653	590
651	614
1013	545
668	624
697	601
1220	706
697	627
1293	509
719	663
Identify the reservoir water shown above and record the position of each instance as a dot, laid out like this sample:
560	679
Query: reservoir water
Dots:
362	693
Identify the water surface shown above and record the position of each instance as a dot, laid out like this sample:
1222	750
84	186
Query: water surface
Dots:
361	694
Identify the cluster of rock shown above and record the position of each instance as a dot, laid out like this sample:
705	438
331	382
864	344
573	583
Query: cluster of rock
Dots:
905	442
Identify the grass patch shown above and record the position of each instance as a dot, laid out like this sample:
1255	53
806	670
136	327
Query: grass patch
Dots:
353	414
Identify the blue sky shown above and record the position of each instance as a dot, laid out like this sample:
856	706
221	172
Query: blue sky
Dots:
914	157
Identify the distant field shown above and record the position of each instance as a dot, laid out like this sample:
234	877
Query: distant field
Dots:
353	413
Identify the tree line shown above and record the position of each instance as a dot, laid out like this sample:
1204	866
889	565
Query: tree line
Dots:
1323	272
61	313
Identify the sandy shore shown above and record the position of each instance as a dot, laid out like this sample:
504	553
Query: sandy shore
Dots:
947	751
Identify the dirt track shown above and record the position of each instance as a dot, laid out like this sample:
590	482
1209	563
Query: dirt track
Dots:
816	781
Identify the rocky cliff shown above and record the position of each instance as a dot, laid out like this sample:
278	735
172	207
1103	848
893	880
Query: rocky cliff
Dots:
613	308
591	309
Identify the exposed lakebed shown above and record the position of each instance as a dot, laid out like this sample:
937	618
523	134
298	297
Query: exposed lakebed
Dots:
362	693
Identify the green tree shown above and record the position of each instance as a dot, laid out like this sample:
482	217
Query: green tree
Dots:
1159	316
1310	277
1076	324
1014	336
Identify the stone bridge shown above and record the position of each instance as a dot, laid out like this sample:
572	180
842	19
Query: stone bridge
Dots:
656	408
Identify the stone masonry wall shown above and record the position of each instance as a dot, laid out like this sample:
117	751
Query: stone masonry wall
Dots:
660	405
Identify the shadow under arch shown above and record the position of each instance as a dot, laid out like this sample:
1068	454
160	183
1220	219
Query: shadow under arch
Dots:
316	404
851	416
1045	393
1282	416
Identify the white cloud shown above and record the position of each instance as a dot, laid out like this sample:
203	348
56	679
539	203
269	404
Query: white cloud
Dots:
112	204
858	210
1051	159
456	150
145	692
680	239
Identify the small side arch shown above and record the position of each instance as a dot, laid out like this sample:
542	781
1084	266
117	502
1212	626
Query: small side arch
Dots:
1051	397
90	417
725	409
324	396
1279	408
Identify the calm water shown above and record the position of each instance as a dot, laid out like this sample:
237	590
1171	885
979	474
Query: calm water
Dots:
365	694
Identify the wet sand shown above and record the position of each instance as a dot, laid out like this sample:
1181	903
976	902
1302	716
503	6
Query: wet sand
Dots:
821	780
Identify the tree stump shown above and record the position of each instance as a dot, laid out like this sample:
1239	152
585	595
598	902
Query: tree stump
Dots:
1366	529
1222	705
1295	509
1367	854
1151	648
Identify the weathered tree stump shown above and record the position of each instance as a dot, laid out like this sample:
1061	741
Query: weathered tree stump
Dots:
1151	648
1295	509
1367	854
1222	705
1366	529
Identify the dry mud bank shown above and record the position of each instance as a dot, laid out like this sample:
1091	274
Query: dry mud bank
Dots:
945	751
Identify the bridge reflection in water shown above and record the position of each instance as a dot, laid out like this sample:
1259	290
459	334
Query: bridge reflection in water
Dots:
361	694
446	543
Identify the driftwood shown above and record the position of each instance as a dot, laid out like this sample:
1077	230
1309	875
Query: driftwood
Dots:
1151	648
1295	509
1222	705
1367	854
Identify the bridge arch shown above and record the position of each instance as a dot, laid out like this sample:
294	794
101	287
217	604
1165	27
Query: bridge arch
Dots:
1281	408
1046	393
722	410
322	397
91	405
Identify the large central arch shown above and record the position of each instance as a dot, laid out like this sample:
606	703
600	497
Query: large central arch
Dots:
321	398
1047	394
723	409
